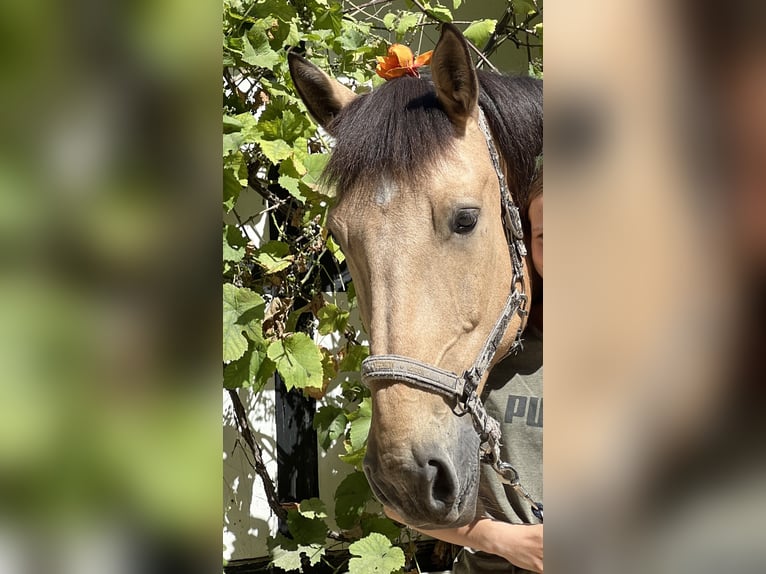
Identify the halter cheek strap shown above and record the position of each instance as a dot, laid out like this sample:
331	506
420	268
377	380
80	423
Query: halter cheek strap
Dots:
463	388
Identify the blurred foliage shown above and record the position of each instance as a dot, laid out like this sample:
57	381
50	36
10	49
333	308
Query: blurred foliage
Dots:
280	267
107	435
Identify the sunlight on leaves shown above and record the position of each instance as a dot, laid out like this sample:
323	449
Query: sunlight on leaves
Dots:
375	554
298	360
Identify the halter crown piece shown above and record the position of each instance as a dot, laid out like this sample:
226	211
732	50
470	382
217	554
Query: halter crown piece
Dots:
463	388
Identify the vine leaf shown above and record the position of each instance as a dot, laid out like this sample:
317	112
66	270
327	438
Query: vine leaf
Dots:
372	523
407	21
238	302
254	369
331	319
351	497
312	508
274	256
298	360
286	553
360	424
314	164
330	423
306	531
375	554
257	51
524	7
354	357
480	31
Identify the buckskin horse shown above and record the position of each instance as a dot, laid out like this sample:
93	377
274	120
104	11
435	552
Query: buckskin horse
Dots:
429	176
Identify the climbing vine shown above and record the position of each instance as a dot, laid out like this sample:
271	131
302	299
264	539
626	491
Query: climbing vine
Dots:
287	302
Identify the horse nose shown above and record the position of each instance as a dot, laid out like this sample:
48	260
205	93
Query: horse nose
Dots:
440	485
422	486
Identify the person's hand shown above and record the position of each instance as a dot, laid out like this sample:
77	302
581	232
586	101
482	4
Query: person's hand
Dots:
519	544
523	546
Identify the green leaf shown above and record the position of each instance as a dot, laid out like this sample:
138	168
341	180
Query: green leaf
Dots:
329	367
374	554
287	560
456	4
257	50
332	319
440	13
292	185
335	249
231	124
330	424
293	35
330	18
354	36
351	497
360	424
480	31
280	122
275	150
234	243
375	523
407	22
358	432
354	357
315	164
231	254
231	189
286	553
232	142
279	9
312	508
388	20
306	531
314	552
524	7
244	371
236	302
274	256
298	360
353	457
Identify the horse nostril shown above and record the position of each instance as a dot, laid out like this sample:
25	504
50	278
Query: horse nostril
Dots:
443	484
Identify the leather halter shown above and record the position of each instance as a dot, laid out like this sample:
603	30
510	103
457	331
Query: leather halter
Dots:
464	387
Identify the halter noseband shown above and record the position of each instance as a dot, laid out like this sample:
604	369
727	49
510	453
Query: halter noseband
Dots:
464	387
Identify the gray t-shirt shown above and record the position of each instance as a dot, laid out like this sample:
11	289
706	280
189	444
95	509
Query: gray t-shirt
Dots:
513	395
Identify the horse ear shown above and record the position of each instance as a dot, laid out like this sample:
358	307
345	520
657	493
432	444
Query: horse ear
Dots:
454	76
324	96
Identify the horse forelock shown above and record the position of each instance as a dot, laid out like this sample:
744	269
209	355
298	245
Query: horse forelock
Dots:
399	133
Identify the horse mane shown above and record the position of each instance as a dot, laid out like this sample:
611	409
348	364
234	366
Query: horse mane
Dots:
400	127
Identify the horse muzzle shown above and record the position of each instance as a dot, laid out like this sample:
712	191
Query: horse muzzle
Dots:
425	483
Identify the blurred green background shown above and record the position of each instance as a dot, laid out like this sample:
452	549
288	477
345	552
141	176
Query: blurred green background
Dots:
109	317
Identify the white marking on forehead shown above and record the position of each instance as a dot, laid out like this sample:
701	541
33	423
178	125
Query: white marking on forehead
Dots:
385	192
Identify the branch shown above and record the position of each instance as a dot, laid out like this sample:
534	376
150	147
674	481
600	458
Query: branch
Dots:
501	25
354	9
260	466
470	44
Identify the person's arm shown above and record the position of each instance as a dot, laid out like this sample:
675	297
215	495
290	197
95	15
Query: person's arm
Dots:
519	544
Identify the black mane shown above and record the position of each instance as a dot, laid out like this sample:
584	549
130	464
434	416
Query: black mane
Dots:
400	127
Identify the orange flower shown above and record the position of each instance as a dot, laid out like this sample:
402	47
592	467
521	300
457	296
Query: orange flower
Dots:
400	62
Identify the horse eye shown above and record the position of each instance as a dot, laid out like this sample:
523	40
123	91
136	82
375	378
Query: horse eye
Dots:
465	220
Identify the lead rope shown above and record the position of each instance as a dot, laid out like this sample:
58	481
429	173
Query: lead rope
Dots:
515	236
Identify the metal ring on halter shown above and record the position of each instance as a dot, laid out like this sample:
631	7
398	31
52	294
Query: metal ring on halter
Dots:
508	474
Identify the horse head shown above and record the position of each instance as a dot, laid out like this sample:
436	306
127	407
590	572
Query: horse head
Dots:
418	216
